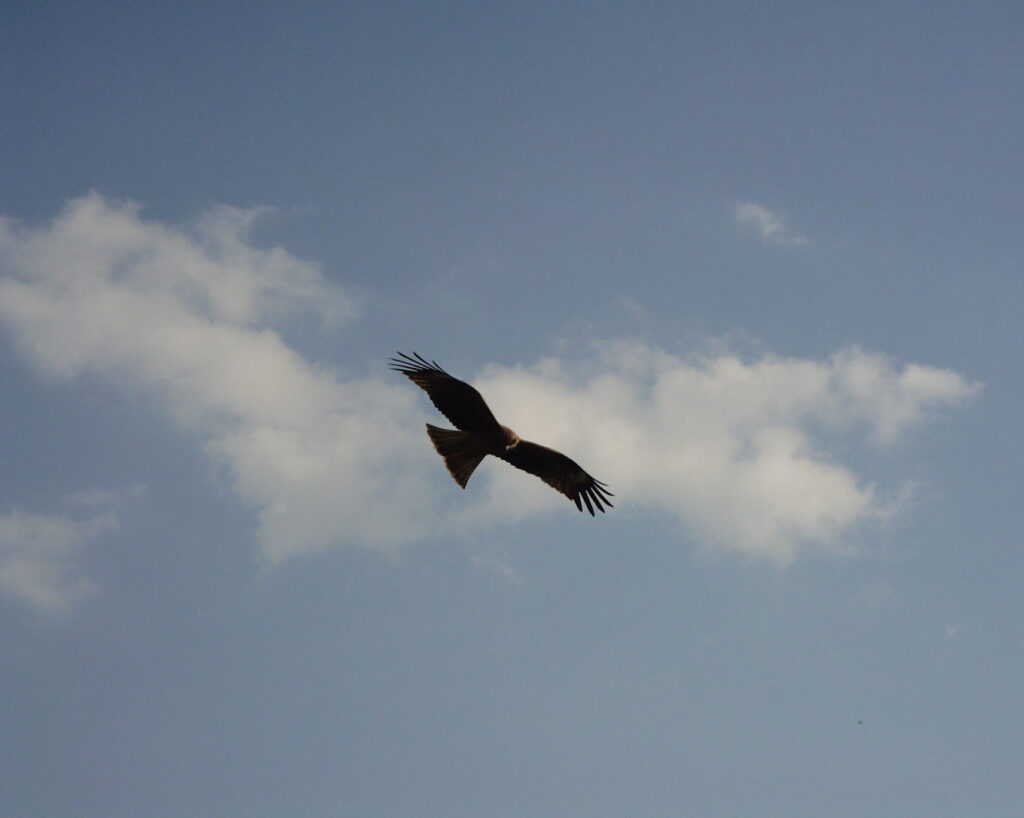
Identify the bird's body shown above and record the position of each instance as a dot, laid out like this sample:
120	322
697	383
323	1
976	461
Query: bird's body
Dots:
478	434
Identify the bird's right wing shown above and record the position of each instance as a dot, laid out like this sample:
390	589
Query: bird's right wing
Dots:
455	399
561	473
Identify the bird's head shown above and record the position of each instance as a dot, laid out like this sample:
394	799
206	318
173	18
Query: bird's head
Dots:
511	439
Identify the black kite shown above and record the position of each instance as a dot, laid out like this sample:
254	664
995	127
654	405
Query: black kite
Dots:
479	434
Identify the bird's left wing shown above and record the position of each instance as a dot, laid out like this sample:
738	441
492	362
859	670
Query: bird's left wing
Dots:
455	399
561	473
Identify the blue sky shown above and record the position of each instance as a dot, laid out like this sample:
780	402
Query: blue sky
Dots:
755	266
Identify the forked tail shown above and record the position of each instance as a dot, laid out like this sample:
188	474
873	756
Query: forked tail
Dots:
461	454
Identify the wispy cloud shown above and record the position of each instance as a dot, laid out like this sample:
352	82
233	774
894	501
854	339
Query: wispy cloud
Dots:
40	553
734	448
769	226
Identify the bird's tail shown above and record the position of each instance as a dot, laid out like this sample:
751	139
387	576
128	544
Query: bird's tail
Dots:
460	452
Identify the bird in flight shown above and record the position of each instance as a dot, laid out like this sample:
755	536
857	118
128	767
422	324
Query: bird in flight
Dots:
479	434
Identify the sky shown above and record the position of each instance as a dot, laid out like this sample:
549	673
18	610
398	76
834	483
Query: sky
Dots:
756	266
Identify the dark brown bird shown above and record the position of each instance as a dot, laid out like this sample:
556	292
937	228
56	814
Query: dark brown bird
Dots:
479	434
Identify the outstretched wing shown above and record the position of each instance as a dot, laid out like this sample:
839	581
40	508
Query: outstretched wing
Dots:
561	473
455	399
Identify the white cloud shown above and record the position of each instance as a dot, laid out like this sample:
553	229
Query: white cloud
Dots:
769	226
39	557
728	446
733	448
188	314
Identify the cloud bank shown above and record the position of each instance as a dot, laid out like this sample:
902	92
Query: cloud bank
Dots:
734	449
